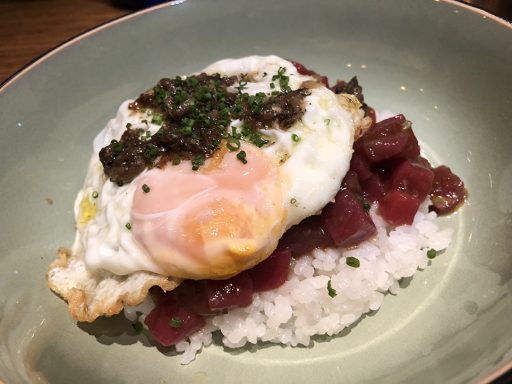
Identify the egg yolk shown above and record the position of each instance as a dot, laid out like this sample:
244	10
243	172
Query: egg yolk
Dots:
211	223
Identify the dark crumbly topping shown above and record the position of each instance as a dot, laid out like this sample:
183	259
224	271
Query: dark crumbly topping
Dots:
352	88
194	114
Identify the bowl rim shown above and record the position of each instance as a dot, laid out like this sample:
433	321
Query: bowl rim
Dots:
500	371
108	24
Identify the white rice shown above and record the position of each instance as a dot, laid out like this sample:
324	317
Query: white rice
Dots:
302	307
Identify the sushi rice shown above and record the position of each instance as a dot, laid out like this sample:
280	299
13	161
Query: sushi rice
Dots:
323	294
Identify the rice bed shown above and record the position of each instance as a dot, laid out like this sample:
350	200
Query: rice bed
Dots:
302	307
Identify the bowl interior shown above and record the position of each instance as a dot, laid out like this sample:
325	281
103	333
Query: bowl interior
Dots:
447	68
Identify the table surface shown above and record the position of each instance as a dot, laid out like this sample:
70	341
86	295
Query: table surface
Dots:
29	28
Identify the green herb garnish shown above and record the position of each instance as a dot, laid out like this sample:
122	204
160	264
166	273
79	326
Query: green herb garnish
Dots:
233	144
366	206
282	79
145	188
330	290
353	262
242	156
151	151
197	162
95	195
128	226
175	322
431	253
193	115
117	147
157	119
186	126
295	138
241	86
256	102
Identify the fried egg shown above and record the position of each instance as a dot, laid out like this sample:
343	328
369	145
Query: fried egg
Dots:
173	222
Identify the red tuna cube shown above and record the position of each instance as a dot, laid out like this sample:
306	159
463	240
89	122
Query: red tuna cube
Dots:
399	208
170	323
346	221
272	272
373	188
231	293
414	179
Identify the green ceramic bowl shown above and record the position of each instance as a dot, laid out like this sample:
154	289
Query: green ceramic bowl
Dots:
445	66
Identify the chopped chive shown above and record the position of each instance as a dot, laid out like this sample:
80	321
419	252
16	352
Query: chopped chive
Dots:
175	322
128	226
293	201
330	290
117	147
258	141
151	151
202	109
197	162
95	195
282	79
242	156
157	119
327	121
233	144
192	81
431	253
366	206
353	262
176	161
241	86
145	188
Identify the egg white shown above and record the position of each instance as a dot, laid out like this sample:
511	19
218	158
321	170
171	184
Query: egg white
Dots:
312	168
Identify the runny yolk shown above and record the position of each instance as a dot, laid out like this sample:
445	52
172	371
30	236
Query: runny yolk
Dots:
211	223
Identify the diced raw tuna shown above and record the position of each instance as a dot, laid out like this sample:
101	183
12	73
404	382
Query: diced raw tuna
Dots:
306	236
399	208
412	149
386	127
351	182
191	295
448	190
373	188
231	293
346	221
360	166
272	272
387	139
388	147
170	323
414	179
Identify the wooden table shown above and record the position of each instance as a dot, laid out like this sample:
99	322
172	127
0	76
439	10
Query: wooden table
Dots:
30	28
